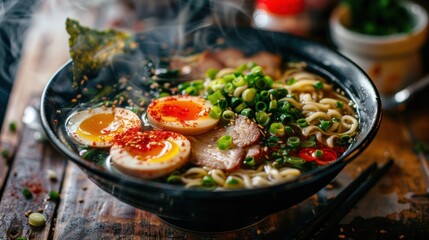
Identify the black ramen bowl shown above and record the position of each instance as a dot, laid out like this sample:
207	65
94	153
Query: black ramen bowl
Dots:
198	209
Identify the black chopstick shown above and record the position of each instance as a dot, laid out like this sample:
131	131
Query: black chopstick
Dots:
331	214
315	223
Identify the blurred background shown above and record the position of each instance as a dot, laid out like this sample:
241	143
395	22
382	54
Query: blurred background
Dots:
24	21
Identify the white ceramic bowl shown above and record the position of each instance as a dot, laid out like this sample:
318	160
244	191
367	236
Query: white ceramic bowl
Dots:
392	61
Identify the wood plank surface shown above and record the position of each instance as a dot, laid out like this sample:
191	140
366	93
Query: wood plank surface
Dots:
30	171
87	212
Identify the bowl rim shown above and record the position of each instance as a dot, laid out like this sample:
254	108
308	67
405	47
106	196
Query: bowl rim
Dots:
314	174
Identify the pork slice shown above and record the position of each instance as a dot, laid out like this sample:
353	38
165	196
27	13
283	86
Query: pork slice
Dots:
230	56
205	152
206	61
197	65
244	132
254	151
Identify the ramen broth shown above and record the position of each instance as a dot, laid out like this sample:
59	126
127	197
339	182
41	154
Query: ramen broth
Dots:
269	122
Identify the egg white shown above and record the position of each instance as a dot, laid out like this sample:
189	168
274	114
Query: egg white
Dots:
202	123
175	155
123	119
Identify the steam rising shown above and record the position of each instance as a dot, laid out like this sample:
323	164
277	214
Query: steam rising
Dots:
15	18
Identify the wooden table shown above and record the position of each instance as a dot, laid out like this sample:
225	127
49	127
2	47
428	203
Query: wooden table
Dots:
86	212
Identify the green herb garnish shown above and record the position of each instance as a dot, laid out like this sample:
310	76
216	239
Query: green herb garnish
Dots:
27	193
378	17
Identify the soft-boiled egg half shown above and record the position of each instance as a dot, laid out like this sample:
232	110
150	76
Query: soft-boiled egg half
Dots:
188	115
96	127
149	154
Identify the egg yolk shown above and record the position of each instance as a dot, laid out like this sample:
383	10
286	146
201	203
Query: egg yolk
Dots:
173	110
155	151
98	126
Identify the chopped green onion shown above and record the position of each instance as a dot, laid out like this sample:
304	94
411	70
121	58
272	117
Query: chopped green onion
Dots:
37	219
240	107
241	68
308	143
250	65
249	95
261	84
302	122
284	106
288	130
54	195
345	140
249	162
318	153
12	126
273	141
215	112
228	115
173	178
285	118
269	80
281	93
262	118
265	95
340	104
215	97
211	73
208	181
324	124
280	160
222	103
272	105
257	70
277	129
5	154
224	142
199	84
163	94
295	160
235	101
183	86
216	85
248	112
318	85
293	141
239	81
27	193
191	90
229	88
260	106
231	181
291	81
229	77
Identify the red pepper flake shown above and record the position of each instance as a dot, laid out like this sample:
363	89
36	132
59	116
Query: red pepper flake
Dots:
35	187
180	108
143	141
